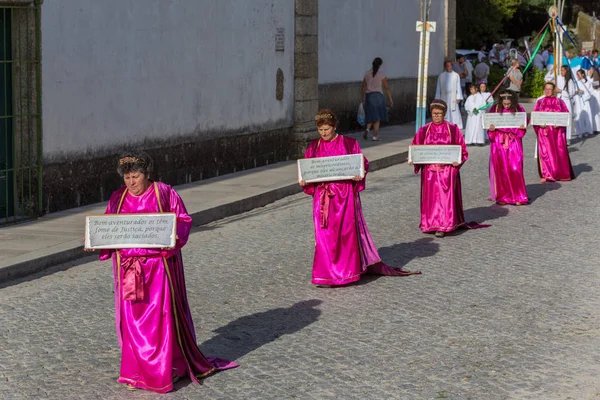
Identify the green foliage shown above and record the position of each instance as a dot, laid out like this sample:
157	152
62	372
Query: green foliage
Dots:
495	76
506	8
533	83
488	21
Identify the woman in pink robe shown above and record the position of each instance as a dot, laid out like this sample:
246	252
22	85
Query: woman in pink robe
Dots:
441	197
153	319
344	249
554	163
507	181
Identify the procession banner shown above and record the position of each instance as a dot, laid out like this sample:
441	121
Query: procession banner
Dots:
504	120
539	118
127	231
336	168
434	154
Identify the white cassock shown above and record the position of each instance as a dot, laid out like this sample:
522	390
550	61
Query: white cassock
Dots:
582	112
566	95
474	131
448	89
594	104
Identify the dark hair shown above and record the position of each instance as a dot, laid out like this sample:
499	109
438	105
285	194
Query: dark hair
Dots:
326	117
474	86
135	161
376	64
507	94
583	73
550	83
482	83
567	76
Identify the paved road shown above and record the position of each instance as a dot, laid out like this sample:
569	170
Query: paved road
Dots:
508	312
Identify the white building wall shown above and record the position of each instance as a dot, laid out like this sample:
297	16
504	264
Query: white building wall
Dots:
353	32
122	71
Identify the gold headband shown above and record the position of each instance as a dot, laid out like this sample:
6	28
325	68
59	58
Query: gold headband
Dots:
506	95
438	104
323	116
130	160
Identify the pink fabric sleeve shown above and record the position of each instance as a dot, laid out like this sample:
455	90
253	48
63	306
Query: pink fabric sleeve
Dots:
359	186
562	106
460	140
106	254
521	132
492	134
111	208
417	140
310	153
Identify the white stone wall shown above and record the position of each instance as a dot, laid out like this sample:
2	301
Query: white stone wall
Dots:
122	71
353	32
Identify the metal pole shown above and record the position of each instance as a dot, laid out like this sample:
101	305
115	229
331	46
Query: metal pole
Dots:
428	31
425	27
419	82
421	26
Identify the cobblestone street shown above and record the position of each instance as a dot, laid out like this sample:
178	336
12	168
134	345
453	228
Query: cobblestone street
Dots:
507	312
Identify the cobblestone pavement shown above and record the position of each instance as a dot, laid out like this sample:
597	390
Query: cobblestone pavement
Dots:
507	312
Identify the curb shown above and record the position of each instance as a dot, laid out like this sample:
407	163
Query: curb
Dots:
29	267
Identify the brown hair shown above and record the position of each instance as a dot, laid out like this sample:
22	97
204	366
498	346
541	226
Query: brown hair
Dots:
135	161
326	117
438	104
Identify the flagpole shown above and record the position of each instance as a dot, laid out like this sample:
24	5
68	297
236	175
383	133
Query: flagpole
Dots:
429	27
425	28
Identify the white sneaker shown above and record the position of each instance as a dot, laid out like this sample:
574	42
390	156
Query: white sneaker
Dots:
376	139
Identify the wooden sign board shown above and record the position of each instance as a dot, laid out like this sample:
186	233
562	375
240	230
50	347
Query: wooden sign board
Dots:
129	231
326	169
539	118
435	154
504	120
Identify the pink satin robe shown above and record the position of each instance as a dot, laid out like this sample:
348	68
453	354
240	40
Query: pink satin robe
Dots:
153	319
507	181
344	249
554	163
441	196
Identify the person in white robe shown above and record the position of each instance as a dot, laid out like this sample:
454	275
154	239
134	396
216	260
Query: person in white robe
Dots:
595	83
448	89
592	89
581	107
485	98
565	89
474	129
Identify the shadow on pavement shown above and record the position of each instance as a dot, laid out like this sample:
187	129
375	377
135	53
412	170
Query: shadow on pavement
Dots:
400	254
581	168
483	214
54	269
248	333
537	190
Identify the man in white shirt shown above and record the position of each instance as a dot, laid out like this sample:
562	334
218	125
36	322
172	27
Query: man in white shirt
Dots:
448	89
